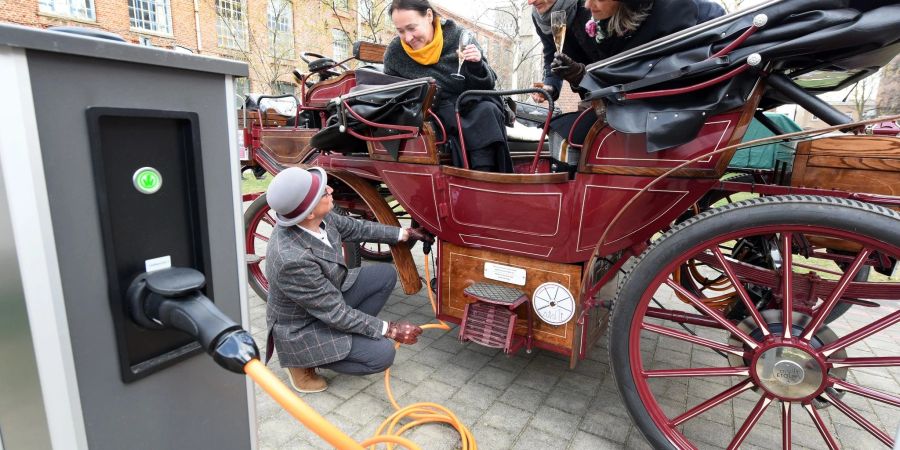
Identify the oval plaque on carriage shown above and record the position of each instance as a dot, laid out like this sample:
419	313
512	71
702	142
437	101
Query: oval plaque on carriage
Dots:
553	303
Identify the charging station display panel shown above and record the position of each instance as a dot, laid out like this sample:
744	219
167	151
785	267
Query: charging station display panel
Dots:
147	167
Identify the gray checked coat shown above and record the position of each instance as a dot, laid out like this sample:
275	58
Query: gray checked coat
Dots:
309	322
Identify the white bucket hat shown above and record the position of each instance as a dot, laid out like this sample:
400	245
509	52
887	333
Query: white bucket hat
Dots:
295	192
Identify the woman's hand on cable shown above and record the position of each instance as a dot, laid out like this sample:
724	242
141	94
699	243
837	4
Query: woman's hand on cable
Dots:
403	332
567	69
472	54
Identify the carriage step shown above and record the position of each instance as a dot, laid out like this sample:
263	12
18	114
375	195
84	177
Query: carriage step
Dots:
491	319
496	294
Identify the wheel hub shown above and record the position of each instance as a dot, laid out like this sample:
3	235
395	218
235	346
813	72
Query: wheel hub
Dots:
789	372
787	369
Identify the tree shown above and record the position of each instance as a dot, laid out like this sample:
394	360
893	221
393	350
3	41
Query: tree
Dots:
888	99
863	92
365	20
264	40
512	20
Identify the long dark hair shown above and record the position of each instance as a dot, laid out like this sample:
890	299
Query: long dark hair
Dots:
422	6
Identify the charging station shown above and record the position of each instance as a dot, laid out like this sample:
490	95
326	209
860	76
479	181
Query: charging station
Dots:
115	160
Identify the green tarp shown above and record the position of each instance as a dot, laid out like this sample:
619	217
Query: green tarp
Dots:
764	156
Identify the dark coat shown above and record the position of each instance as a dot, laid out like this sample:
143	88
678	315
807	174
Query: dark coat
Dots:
666	17
578	46
483	118
308	321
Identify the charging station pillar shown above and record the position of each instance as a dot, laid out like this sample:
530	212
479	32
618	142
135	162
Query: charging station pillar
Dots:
115	159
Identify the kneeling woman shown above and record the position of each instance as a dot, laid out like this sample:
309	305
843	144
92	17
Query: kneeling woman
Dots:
426	46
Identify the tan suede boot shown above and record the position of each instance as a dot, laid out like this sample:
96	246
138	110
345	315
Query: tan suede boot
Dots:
306	380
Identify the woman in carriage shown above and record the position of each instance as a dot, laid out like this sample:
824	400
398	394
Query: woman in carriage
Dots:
430	46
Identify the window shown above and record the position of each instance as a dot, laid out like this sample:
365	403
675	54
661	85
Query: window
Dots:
340	50
281	28
79	9
150	15
231	29
283	87
341	4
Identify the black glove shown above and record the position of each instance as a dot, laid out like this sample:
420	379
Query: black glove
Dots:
419	234
567	69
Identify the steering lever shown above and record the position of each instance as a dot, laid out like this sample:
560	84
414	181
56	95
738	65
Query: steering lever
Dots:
171	298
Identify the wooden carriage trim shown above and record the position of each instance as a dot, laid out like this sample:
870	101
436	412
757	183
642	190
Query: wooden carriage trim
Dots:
406	267
463	237
506	178
434	196
747	113
369	52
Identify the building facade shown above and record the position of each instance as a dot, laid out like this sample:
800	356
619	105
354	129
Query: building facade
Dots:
270	35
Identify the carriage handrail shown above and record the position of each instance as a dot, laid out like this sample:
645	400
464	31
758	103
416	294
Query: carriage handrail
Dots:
540	148
440	124
262	111
590	291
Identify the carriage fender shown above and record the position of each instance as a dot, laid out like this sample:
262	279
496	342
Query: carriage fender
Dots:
406	267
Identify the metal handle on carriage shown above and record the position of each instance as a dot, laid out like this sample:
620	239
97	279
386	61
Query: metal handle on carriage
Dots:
262	112
540	148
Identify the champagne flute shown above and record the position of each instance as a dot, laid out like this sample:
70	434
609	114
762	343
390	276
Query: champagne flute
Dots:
558	28
464	38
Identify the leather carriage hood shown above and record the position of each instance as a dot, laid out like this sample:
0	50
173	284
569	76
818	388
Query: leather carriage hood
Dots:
800	34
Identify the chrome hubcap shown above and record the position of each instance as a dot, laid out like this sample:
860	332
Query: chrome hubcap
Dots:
789	372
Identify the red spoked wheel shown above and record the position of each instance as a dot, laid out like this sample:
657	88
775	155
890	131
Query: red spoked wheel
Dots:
693	376
259	223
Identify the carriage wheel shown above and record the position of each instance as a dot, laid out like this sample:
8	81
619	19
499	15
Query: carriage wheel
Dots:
683	369
259	222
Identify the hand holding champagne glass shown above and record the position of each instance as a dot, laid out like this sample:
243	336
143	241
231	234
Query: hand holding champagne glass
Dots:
558	28
464	39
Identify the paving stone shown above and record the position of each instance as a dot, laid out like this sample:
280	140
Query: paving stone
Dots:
435	436
488	437
478	395
607	426
536	379
636	440
533	439
608	402
586	441
411	373
505	417
698	430
346	386
452	374
722	413
494	377
584	385
514	363
523	397
398	387
431	357
555	422
470	359
399	308
448	343
278	429
362	407
568	400
430	391
322	402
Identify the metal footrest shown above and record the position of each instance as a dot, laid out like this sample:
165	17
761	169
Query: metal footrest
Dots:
489	325
496	294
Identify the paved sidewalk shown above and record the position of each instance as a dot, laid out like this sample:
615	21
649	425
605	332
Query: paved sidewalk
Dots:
527	401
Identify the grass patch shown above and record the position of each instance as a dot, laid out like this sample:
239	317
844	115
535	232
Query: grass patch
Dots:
249	183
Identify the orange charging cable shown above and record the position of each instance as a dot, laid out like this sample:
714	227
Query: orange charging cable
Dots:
391	430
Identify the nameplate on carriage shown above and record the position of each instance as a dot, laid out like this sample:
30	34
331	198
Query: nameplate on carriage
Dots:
506	274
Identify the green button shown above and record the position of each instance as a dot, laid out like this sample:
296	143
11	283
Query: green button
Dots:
147	180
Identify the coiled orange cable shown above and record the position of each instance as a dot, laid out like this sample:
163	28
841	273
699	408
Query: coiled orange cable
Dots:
391	430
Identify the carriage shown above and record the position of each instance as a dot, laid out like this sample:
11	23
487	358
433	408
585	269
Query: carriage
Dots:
771	294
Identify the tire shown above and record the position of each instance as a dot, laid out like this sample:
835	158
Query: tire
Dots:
636	321
259	222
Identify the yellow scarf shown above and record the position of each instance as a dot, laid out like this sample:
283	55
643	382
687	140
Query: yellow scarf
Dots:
431	52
